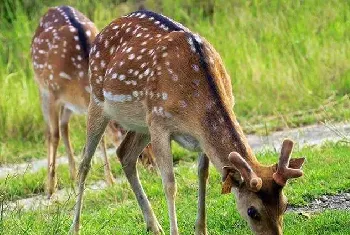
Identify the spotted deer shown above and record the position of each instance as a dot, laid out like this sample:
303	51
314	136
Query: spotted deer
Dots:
60	53
162	82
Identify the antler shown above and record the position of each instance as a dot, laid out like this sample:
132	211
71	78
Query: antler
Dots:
284	171
249	176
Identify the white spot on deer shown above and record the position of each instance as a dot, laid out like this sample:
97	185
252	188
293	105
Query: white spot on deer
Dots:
130	71
116	98
143	43
121	63
111	51
146	35
138	35
182	104
136	72
146	72
143	65
103	64
81	74
131	56
175	77
79	57
165	54
49	66
77	47
64	75
115	27
51	76
114	75
97	54
129	49
157	22
170	71
195	67
128	30
72	29
106	43
88	33
135	93
121	77
164	96
139	57
190	41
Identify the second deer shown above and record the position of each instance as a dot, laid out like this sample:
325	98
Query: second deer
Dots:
60	54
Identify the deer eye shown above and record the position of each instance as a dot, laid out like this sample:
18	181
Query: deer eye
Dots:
253	213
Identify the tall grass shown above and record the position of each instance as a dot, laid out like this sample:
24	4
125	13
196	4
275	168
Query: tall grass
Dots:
283	56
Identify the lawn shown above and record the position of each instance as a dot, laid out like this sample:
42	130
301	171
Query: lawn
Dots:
114	210
288	60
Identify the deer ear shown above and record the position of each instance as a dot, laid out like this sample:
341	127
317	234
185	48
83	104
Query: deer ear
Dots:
296	163
230	178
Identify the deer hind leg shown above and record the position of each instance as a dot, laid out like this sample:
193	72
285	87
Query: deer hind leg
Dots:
128	153
203	173
50	109
64	122
160	139
96	125
107	168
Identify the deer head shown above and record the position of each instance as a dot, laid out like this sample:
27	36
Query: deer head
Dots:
259	195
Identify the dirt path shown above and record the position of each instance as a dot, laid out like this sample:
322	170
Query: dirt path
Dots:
310	135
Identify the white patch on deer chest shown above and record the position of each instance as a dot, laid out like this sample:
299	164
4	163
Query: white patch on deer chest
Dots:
64	75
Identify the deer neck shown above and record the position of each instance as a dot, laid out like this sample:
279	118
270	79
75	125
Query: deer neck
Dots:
223	135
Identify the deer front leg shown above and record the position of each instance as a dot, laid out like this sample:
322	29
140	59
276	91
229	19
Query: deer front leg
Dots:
161	146
128	153
96	126
64	122
203	173
107	168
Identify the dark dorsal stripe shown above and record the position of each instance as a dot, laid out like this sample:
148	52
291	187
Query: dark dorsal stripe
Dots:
213	87
172	25
83	39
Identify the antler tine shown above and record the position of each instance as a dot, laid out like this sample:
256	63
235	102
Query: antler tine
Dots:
249	176
283	172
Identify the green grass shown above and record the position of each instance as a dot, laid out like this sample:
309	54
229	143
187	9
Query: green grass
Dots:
288	60
115	210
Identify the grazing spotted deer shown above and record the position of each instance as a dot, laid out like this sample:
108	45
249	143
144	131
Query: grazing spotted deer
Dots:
162	83
60	54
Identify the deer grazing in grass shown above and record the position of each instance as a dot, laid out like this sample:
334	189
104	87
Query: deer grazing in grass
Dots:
60	54
162	83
